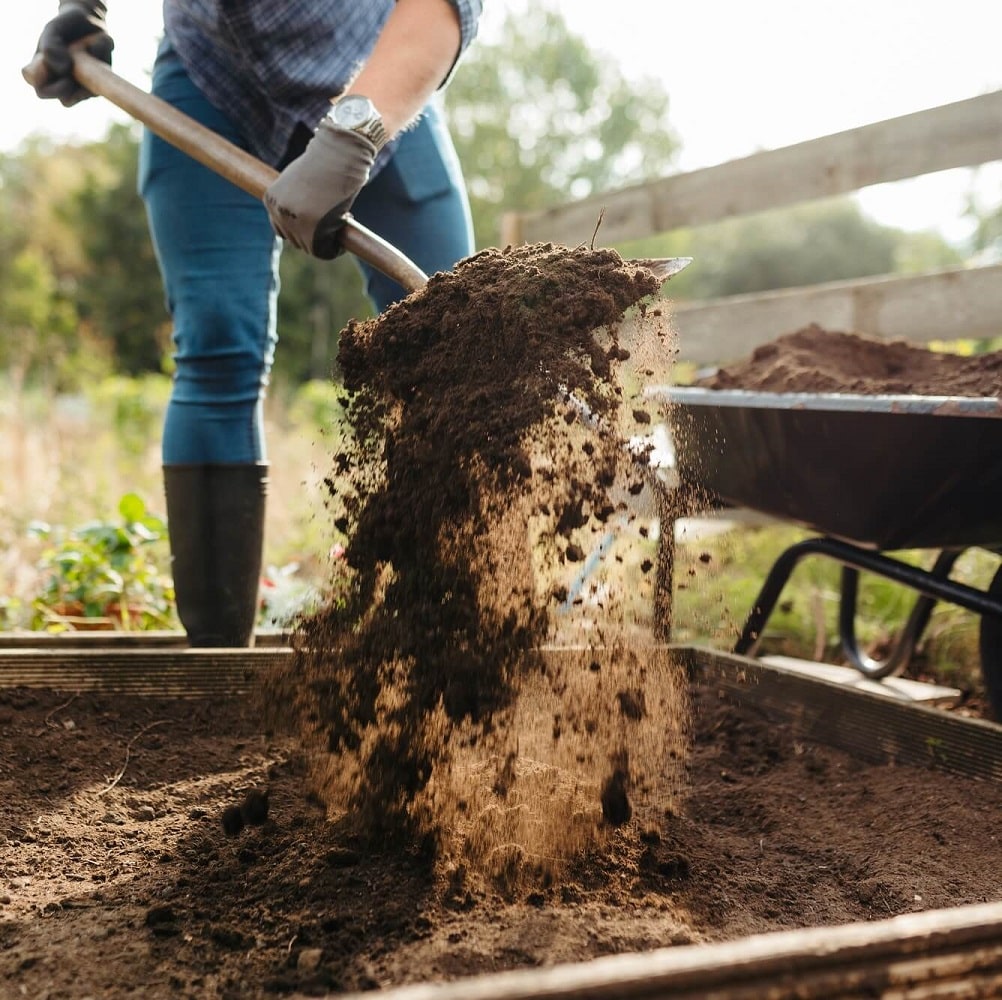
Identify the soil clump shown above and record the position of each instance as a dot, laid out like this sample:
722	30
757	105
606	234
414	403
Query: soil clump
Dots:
817	360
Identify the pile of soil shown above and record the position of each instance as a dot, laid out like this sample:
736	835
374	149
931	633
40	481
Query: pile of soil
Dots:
817	360
117	877
486	460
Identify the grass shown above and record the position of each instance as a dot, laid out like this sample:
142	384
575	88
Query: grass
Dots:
69	461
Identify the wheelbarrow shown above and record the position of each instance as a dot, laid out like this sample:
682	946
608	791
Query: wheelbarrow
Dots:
870	475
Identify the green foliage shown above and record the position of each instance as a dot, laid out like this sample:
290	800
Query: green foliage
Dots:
917	253
827	241
41	337
539	119
37	324
987	219
108	572
135	407
35	184
831	240
119	289
316	406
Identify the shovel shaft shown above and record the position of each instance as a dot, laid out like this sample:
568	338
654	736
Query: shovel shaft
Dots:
213	151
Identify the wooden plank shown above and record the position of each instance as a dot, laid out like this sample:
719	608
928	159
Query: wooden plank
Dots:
869	727
98	639
902	688
961	134
946	305
155	672
954	952
108	639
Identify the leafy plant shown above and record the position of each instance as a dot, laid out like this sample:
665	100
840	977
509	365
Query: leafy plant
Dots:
105	573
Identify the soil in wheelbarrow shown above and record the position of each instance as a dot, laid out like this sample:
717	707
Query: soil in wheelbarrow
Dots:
818	360
118	878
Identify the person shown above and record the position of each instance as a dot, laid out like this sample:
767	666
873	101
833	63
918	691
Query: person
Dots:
342	97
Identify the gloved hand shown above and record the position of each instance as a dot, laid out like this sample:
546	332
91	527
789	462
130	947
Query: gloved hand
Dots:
76	19
308	199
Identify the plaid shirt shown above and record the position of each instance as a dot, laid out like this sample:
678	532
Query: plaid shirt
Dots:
272	66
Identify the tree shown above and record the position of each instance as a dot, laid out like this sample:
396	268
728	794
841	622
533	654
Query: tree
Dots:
41	337
830	240
119	290
538	119
36	325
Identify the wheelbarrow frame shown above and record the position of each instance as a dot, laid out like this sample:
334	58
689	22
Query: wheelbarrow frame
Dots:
745	449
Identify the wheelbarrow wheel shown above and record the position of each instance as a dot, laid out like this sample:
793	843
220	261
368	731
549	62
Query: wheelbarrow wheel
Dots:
991	649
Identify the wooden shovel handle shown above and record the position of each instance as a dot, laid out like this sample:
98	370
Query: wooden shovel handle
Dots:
220	155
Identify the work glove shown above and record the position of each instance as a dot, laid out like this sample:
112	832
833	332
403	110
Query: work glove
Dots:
76	19
309	198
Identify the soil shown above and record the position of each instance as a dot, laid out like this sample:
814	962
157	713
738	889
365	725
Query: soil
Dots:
817	360
489	414
118	878
476	761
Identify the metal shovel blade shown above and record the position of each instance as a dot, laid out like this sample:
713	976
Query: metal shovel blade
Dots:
663	267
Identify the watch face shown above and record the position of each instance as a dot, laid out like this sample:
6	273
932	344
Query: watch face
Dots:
353	110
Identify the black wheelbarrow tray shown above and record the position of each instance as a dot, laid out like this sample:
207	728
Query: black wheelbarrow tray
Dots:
870	474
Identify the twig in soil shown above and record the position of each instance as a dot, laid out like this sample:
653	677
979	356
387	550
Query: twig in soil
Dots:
598	225
58	708
128	749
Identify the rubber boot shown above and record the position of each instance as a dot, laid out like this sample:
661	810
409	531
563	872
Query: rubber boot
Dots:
215	520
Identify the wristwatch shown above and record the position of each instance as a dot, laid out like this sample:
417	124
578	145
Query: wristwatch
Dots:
355	113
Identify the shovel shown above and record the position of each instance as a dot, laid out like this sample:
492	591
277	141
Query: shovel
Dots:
246	171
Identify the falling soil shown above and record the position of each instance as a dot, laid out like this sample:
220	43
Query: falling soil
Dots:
817	360
487	460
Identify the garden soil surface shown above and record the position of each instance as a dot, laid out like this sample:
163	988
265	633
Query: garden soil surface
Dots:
118	879
476	760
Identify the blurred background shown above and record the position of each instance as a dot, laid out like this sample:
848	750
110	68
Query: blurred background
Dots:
556	101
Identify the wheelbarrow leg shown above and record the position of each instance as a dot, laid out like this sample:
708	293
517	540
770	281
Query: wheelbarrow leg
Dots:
905	645
990	647
923	581
764	604
664	568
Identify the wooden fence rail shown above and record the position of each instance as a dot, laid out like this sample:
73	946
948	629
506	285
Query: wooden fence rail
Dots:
947	305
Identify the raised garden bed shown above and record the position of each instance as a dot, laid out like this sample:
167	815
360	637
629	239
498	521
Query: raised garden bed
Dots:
807	806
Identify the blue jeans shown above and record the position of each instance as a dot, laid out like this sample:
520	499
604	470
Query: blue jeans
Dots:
218	257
